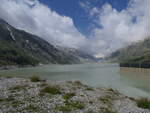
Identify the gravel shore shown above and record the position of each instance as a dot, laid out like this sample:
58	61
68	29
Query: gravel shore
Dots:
20	95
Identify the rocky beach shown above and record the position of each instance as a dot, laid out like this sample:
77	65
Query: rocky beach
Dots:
33	95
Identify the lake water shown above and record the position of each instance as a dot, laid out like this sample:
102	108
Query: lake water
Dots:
130	81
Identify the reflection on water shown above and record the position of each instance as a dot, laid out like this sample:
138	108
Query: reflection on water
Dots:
137	77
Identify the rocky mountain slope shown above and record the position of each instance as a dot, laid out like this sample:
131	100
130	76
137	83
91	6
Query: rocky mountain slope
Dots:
136	52
18	47
82	56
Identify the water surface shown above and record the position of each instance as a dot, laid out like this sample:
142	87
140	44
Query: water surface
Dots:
130	81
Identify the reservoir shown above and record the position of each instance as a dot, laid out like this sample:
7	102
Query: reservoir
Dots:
133	82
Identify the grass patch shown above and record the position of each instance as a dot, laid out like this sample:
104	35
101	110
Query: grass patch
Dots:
32	108
35	79
16	103
68	96
111	89
9	99
89	89
106	110
89	112
70	105
51	90
1	99
104	100
75	104
143	103
78	83
43	84
63	108
18	87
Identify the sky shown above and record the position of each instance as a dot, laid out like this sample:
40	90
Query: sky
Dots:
95	26
74	9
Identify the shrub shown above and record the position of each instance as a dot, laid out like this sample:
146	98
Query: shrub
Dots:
70	105
75	104
35	79
78	83
32	108
51	90
68	96
89	89
63	108
16	103
106	99
43	84
143	103
107	110
18	87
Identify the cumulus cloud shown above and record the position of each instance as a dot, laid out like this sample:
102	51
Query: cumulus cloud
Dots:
118	28
36	18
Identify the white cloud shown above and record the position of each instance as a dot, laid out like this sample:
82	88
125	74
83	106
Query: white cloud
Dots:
35	17
119	28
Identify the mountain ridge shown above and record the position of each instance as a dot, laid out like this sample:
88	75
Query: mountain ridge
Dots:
134	53
18	47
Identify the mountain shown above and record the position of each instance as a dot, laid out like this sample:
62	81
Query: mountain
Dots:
134	53
81	55
18	47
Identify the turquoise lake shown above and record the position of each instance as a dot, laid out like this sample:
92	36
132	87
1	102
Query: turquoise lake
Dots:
129	81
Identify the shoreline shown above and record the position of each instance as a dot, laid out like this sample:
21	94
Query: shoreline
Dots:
9	67
36	95
136	65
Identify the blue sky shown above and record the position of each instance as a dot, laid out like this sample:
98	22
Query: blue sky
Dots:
96	26
80	17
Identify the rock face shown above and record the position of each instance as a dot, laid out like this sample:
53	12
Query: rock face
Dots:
135	53
18	47
19	95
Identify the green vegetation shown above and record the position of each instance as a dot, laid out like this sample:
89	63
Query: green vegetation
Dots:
105	99
9	99
68	96
35	79
32	108
11	55
135	53
107	110
18	87
75	104
28	49
51	90
89	88
43	84
63	108
70	105
89	112
137	59
143	103
78	83
16	103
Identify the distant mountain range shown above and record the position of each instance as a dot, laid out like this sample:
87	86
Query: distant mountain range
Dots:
135	53
18	47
